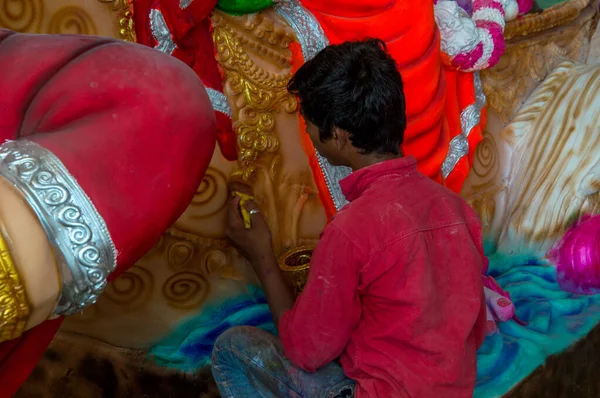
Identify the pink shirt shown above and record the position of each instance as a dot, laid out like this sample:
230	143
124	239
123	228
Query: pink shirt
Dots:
394	289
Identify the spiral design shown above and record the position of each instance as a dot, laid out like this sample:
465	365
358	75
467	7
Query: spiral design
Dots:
25	166
209	186
131	290
70	217
21	15
486	164
206	191
211	196
73	20
185	290
89	256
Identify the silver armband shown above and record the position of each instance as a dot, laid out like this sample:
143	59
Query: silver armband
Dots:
82	245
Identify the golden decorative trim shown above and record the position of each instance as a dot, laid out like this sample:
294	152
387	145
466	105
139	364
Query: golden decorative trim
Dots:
221	243
258	94
14	306
124	10
552	17
295	265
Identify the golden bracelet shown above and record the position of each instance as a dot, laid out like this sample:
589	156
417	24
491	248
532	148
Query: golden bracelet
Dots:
14	306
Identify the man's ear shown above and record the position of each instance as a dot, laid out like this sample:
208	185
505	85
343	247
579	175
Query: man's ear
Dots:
341	137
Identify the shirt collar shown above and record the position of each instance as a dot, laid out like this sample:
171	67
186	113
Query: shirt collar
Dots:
356	183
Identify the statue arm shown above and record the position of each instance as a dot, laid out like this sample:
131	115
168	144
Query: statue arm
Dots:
30	278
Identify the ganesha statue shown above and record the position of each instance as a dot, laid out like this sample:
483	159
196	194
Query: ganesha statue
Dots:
206	100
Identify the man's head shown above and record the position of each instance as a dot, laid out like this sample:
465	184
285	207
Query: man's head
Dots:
352	99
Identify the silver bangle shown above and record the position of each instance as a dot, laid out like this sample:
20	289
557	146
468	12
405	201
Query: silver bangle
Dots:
84	250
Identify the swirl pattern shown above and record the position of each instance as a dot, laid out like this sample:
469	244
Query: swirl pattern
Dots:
132	290
185	290
22	15
39	16
486	161
73	20
211	196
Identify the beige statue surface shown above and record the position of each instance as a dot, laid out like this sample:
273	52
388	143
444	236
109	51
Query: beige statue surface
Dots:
546	163
519	139
31	254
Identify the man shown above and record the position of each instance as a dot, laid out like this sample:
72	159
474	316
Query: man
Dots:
394	305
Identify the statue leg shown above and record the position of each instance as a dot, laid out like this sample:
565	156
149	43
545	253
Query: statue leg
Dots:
108	144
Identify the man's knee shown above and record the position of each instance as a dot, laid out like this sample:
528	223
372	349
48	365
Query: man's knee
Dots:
234	337
247	340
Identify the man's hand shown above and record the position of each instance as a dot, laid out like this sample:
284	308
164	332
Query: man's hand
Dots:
255	243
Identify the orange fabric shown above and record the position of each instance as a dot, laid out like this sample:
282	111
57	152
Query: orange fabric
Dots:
191	30
435	95
413	40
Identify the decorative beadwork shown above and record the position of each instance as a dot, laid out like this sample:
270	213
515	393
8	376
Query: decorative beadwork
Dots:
469	118
14	307
183	4
161	33
218	101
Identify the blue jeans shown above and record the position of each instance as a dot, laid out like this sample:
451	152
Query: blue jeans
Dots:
249	362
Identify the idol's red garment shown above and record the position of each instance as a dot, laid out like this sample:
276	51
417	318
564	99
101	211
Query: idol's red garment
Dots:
394	289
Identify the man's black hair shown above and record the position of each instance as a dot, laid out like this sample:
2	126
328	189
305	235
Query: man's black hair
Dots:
356	87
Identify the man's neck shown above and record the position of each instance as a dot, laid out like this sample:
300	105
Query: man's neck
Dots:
362	161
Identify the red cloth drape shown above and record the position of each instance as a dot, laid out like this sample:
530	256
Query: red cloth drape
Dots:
191	31
435	96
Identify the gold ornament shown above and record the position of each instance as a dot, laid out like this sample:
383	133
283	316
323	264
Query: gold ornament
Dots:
295	265
124	11
258	94
14	307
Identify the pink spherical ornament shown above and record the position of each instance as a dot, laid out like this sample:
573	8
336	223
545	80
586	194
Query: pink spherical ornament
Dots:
577	257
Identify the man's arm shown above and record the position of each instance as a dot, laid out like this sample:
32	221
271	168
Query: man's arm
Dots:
279	295
316	328
319	326
255	244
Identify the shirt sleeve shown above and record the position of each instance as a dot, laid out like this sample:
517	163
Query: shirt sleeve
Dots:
317	329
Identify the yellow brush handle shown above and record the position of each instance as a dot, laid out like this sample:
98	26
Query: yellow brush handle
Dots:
245	213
